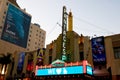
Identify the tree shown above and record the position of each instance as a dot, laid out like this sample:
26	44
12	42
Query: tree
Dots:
5	59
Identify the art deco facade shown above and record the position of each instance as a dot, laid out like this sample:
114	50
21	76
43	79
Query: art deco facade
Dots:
76	45
79	47
78	50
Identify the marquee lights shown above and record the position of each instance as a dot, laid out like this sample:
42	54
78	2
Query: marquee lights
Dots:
67	64
69	68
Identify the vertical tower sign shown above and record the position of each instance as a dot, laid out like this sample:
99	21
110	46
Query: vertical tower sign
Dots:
64	30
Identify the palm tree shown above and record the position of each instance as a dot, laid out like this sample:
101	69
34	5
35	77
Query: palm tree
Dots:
5	60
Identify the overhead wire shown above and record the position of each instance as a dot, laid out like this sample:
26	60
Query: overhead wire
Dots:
53	28
98	27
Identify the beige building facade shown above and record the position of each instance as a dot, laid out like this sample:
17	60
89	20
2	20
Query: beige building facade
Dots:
6	46
36	35
35	39
112	44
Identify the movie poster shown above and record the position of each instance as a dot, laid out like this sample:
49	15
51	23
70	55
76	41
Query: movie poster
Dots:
98	51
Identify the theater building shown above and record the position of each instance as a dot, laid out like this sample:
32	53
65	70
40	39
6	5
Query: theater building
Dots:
101	52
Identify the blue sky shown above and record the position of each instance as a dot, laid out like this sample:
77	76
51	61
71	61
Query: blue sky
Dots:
91	17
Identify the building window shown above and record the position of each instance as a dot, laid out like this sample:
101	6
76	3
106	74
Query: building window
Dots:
117	52
81	56
30	35
50	52
50	59
36	34
40	32
0	27
7	3
4	12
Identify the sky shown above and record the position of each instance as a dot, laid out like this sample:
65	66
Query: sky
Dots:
92	18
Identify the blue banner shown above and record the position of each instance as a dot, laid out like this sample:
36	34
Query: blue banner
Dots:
98	51
16	26
20	62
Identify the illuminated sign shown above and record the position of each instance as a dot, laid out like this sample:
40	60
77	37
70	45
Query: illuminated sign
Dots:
89	70
69	68
98	50
60	71
16	26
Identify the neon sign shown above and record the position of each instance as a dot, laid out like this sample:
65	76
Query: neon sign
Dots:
89	70
60	71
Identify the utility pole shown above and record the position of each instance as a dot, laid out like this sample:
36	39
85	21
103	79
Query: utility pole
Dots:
64	31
